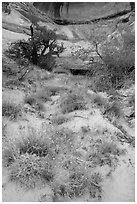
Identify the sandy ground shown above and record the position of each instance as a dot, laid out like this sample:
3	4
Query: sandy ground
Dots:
118	187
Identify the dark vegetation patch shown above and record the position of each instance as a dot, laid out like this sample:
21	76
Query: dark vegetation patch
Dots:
11	110
59	119
40	49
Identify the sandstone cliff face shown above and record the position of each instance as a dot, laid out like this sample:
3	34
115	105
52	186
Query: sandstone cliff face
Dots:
83	10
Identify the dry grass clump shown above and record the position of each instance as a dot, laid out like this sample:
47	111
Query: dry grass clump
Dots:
29	158
31	170
32	143
73	100
105	152
77	184
11	110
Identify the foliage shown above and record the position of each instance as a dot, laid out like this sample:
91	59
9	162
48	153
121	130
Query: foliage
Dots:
39	49
113	64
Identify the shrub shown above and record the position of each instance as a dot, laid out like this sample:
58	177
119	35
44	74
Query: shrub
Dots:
73	100
11	110
119	62
39	49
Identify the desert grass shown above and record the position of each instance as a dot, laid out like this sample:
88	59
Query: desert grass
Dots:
48	156
72	101
105	152
77	183
31	170
31	156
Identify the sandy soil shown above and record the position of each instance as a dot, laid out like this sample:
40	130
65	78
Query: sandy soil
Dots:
119	182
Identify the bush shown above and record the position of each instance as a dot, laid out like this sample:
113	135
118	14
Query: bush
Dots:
73	100
117	63
11	110
39	49
120	62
